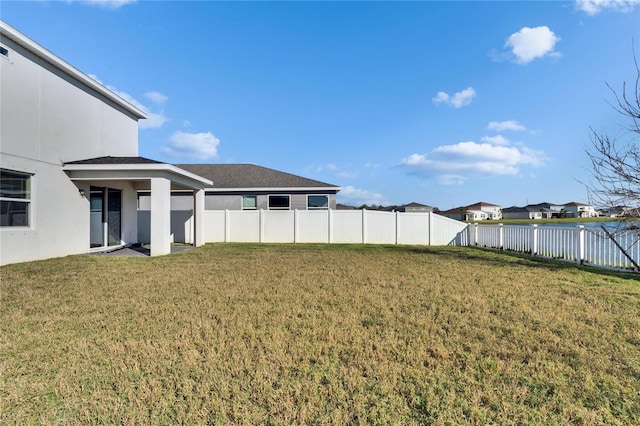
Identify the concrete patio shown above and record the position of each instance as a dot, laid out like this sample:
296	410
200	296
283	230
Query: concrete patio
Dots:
139	251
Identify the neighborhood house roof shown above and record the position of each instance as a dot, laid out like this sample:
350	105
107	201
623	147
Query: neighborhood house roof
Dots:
245	176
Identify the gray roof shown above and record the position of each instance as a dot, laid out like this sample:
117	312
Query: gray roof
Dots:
116	160
237	176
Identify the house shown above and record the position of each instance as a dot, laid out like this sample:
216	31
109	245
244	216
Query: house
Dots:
239	187
492	211
69	164
415	208
526	212
548	210
477	211
252	187
574	209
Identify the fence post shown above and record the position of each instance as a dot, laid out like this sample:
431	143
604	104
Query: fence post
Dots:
430	235
580	244
330	225
261	226
534	240
295	226
397	227
364	226
226	226
501	237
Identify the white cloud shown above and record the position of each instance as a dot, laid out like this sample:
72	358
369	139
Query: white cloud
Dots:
593	7
532	43
200	146
496	140
357	197
154	119
453	164
106	4
156	97
458	100
501	126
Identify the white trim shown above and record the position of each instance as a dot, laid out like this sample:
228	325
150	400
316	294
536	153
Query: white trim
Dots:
17	37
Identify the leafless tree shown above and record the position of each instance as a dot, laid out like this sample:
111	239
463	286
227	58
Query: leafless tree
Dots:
615	161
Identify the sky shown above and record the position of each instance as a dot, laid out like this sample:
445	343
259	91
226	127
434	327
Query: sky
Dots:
441	103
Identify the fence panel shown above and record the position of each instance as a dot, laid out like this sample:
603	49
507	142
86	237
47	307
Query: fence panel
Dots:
602	251
380	227
558	243
312	226
447	232
517	238
488	236
243	226
413	228
278	226
215	226
347	226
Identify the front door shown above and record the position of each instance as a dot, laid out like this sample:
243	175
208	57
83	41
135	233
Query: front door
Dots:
106	213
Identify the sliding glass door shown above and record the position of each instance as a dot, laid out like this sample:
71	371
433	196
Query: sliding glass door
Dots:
106	216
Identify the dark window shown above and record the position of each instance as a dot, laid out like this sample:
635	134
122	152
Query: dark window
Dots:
3	51
15	198
278	202
318	202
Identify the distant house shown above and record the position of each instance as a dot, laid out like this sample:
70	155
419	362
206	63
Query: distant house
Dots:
574	209
526	212
252	187
415	208
477	211
548	210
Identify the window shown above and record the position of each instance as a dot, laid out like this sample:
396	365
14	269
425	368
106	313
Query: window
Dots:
317	202
15	198
4	51
278	202
249	202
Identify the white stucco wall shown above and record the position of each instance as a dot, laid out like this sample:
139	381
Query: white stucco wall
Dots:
47	116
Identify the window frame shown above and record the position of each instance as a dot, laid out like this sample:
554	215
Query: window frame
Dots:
309	207
26	199
255	198
287	196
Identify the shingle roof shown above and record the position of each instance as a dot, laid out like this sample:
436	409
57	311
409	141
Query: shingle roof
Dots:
251	176
116	160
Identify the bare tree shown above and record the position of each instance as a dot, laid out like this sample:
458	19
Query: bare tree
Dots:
615	161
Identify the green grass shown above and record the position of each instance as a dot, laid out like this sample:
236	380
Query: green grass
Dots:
318	334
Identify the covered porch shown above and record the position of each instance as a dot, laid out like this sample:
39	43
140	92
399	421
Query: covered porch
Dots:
110	186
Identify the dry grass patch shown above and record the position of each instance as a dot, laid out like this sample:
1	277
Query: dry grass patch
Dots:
292	334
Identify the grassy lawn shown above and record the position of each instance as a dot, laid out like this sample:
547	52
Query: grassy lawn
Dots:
320	334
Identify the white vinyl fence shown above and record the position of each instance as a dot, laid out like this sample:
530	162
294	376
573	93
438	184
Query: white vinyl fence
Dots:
332	226
314	226
576	244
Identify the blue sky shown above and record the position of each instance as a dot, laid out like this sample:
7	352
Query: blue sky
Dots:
441	103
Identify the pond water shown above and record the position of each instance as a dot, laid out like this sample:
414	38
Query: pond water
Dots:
589	225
